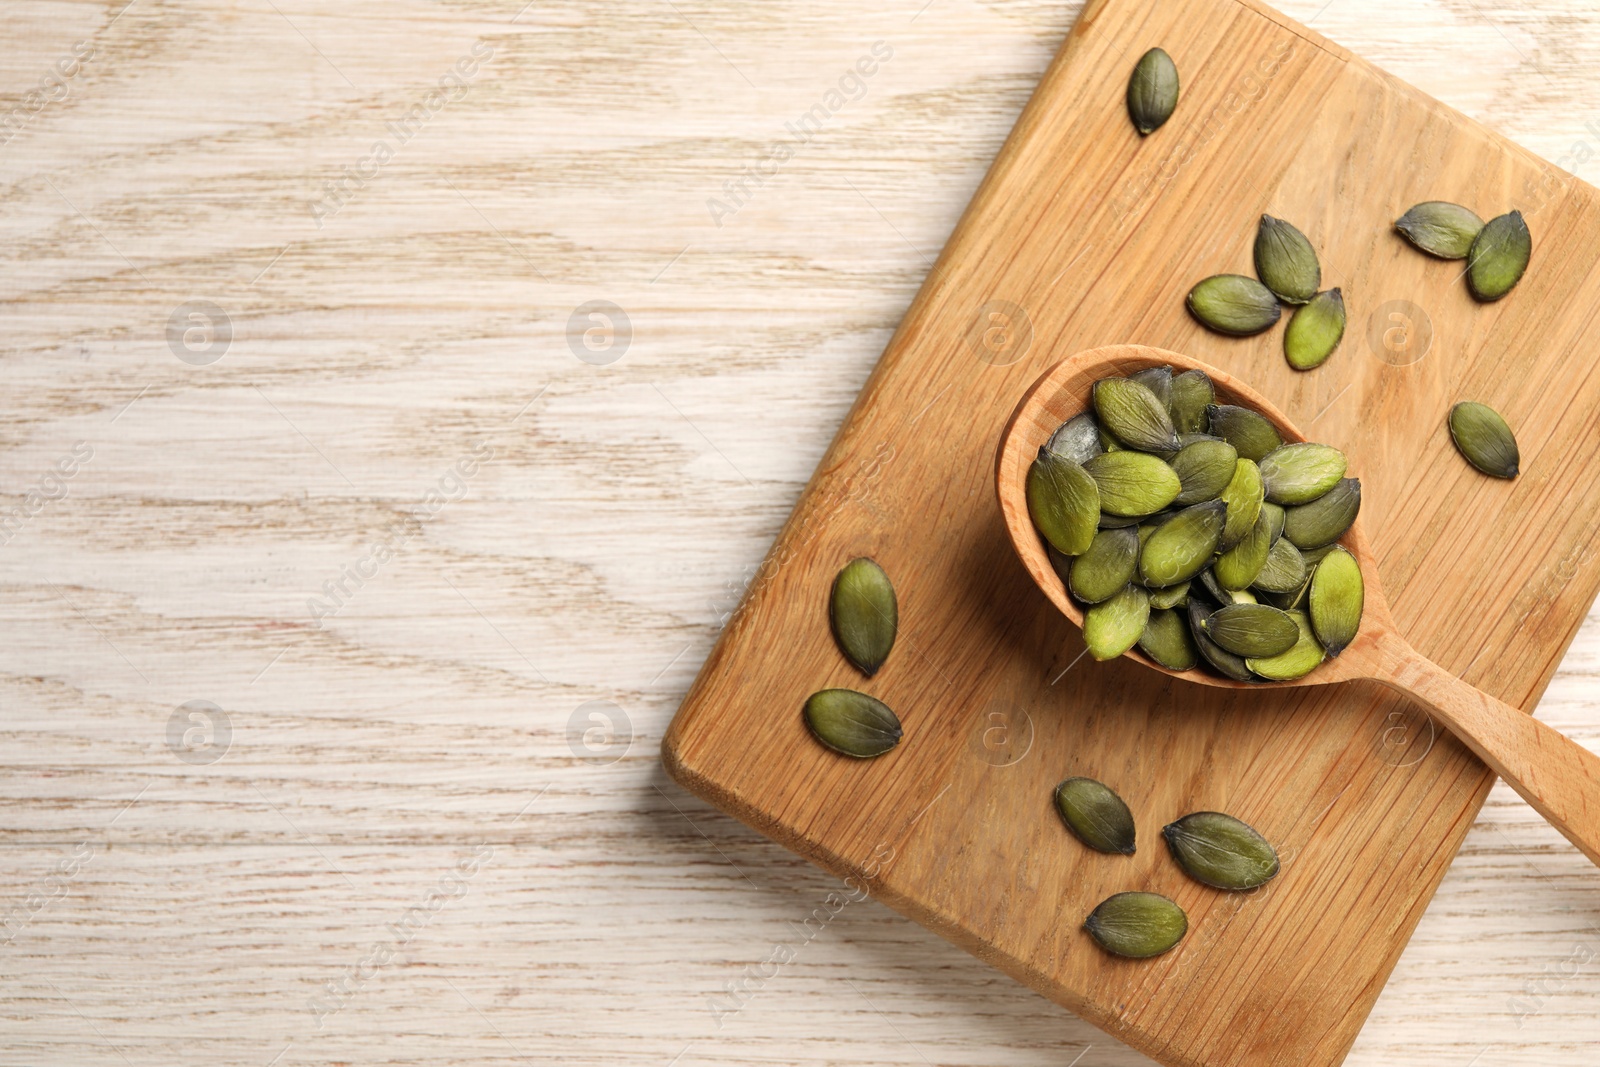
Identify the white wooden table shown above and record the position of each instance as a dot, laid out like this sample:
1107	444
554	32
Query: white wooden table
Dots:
333	526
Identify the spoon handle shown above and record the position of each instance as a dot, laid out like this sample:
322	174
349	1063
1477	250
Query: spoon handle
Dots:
1556	775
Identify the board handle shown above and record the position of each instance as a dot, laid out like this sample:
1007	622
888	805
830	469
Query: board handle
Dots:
1553	773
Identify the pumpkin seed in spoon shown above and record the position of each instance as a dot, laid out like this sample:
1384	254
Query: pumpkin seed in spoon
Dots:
1299	473
1325	519
1252	630
1204	470
1183	545
1063	502
1284	572
1132	483
1113	626
1249	432
1135	415
1336	600
1244	496
1190	394
1238	567
863	613
1224	662
1159	381
1077	439
1166	640
1106	567
1299	660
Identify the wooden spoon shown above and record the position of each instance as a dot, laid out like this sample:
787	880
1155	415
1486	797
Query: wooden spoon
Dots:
1559	777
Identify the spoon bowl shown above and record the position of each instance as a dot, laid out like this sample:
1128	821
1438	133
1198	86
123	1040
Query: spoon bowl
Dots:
1560	778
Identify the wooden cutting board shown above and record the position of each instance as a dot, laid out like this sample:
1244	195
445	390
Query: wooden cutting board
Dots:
1084	234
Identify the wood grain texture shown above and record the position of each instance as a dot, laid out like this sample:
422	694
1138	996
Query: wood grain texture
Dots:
591	559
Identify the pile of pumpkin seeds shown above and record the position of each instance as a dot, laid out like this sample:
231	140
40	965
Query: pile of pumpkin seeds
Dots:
1289	272
1212	848
864	616
1190	530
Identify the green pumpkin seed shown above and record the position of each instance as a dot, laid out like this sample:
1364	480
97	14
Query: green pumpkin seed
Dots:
1225	662
1132	483
1252	630
864	614
1284	572
1221	851
1483	437
1276	516
1285	261
1137	925
1191	394
1078	439
1064	502
1096	815
1166	640
1134	415
1117	522
1303	657
1298	474
852	723
1152	91
1159	381
1440	228
1337	597
1244	496
1234	305
1182	546
1325	519
1109	564
1204	470
1113	626
1314	331
1249	432
1313	556
1172	596
1498	256
1238	566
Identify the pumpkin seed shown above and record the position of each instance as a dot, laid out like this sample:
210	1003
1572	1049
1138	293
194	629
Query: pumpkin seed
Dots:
1182	546
1440	228
1096	815
1303	657
1285	261
852	723
1225	662
1234	304
1498	256
1166	640
1191	394
1276	516
1483	437
1298	474
1314	331
1171	596
1284	572
1152	91
1252	630
864	614
1325	519
1063	502
1238	566
1313	556
1137	925
1078	439
1132	483
1243	496
1134	415
1249	432
1337	597
1117	522
1113	626
1159	381
1108	565
1204	470
1221	851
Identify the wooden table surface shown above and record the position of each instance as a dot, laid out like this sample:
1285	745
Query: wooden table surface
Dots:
355	559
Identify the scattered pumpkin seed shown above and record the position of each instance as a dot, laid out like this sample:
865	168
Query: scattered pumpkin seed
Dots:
1191	394
1244	496
1285	261
1225	662
1314	331
1238	566
1440	228
1152	91
1325	519
1221	851
1299	473
1171	596
1183	545
1483	437
1204	470
1284	572
1249	432
1132	483
1113	626
1137	925
1134	415
1234	304
1337	597
1078	439
1109	564
864	614
1063	502
1303	657
1096	815
852	723
1166	640
1498	256
1252	630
